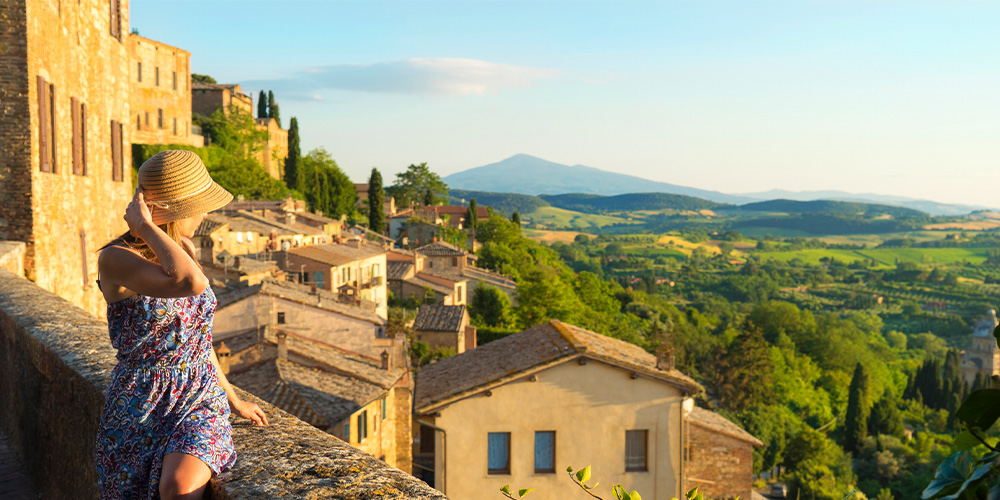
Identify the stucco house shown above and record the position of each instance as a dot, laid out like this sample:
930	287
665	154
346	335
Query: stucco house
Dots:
354	269
448	261
521	409
445	326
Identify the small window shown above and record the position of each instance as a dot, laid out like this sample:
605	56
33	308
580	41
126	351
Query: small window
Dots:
116	19
545	452
281	318
363	426
430	264
175	126
347	431
383	408
147	119
426	439
249	236
78	113
116	151
498	453
140	74
159	118
635	450
157	76
138	122
318	278
175	80
454	262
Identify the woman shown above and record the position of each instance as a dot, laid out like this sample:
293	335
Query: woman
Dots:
165	426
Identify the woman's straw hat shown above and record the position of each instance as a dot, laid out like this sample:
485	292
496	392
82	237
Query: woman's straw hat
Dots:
176	184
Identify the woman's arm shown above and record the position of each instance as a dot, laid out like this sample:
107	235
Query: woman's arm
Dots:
242	408
176	274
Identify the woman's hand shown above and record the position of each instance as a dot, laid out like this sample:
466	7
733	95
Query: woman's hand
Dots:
137	214
249	410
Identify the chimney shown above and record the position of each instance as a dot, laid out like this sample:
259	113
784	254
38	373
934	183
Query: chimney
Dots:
385	360
356	243
289	218
282	347
223	353
665	358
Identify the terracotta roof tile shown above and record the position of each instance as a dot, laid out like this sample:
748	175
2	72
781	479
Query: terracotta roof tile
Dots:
438	318
715	422
397	269
548	343
441	249
322	299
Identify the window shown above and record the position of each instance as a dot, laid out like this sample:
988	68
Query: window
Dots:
426	439
430	264
159	118
147	119
281	318
138	122
116	19
116	151
318	278
363	426
239	237
46	125
157	72
79	116
635	450
347	431
545	452
498	453
175	81
454	262
140	77
175	126
383	408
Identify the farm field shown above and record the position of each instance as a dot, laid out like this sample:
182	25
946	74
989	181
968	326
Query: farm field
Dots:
550	236
886	257
562	218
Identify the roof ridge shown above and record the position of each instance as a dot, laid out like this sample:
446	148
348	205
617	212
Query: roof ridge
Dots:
568	335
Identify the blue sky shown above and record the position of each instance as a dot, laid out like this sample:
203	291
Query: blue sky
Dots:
897	98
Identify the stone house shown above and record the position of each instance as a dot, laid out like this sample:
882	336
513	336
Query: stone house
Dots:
445	326
407	279
557	381
354	269
398	222
448	261
450	215
160	94
208	97
272	157
65	139
982	356
298	309
718	457
361	399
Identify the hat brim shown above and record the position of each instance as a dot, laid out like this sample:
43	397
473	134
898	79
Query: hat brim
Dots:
213	198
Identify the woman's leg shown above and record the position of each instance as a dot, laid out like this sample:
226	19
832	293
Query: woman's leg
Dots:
184	477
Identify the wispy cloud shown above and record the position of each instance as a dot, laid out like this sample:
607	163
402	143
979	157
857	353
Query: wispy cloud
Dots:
441	76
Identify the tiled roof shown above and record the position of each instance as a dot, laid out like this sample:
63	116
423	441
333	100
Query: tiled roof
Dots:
283	228
422	283
548	343
316	217
337	255
322	299
715	422
397	269
336	359
458	209
437	318
235	205
443	279
440	249
210	223
489	277
247	265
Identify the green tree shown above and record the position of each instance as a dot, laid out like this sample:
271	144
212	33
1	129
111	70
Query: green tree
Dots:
744	370
857	409
294	158
491	307
261	105
543	296
472	215
202	78
234	131
516	219
376	198
272	108
418	184
886	418
330	190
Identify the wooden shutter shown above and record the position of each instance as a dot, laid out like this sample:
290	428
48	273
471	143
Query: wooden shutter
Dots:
74	106
116	173
115	18
83	138
42	88
54	149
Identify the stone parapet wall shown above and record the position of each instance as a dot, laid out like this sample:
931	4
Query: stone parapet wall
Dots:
55	362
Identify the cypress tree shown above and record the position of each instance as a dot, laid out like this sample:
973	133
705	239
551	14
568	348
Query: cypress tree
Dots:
516	219
472	215
272	108
292	161
261	105
376	198
886	418
857	410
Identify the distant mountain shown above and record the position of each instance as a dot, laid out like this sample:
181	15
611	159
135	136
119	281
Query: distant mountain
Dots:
931	207
832	207
527	174
592	203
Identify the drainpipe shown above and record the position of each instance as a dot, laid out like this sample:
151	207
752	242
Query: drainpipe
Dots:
687	404
444	455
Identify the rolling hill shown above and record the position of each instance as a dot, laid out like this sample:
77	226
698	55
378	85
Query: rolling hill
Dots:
833	207
591	203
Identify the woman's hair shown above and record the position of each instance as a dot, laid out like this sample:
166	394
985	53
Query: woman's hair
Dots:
139	245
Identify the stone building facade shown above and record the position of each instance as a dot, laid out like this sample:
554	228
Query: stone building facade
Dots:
64	67
208	97
982	356
718	457
160	96
272	157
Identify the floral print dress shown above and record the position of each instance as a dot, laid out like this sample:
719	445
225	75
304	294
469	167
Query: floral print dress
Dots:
164	394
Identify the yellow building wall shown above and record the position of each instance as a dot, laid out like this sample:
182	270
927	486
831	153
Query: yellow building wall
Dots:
171	95
590	407
383	437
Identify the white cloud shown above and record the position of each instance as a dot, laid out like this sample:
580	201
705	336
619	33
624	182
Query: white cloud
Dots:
441	76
